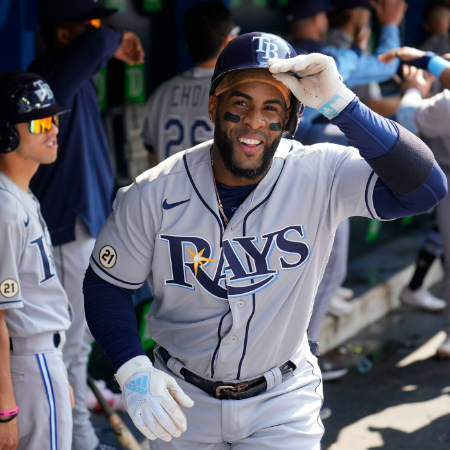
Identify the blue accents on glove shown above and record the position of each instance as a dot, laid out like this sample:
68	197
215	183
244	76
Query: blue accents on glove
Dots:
372	134
111	319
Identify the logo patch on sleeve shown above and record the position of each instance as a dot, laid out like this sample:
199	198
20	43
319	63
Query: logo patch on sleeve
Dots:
9	288
108	257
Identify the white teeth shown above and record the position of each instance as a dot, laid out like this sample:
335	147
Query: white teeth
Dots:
249	141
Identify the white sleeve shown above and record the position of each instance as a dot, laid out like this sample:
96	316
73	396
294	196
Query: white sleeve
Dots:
432	116
124	248
11	244
411	100
352	189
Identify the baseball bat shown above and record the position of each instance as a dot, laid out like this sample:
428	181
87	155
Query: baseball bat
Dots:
122	432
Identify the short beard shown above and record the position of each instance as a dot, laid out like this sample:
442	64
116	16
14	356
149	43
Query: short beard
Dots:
225	147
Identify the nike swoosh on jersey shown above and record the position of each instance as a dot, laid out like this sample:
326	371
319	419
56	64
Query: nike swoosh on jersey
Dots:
173	205
27	222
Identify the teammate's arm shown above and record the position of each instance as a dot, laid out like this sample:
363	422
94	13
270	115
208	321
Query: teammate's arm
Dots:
9	435
80	60
432	115
429	61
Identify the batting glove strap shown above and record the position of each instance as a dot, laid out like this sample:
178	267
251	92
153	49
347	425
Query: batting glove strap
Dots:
333	106
137	364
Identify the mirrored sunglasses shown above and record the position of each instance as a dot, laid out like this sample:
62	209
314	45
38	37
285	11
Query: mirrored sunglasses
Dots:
40	126
96	23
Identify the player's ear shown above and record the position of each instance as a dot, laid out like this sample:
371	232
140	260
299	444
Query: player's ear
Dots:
287	115
63	35
213	104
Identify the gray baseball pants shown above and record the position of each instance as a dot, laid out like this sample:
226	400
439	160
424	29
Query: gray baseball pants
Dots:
286	417
71	262
332	279
41	389
443	218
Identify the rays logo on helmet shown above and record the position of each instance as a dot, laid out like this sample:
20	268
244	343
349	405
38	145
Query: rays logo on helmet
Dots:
266	46
43	90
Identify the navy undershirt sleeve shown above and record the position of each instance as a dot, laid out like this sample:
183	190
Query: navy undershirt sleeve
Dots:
111	319
397	193
372	134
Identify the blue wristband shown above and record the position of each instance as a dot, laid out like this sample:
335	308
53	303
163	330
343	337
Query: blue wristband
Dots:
437	65
422	62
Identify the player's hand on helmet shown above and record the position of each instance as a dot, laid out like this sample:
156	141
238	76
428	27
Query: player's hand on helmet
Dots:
152	399
314	80
9	435
130	50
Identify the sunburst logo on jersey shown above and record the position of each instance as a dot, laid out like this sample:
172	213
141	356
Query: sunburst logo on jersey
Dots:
197	258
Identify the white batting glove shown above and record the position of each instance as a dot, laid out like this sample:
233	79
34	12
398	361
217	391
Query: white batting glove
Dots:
320	85
149	396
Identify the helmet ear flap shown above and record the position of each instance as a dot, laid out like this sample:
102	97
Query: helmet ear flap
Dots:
10	138
293	122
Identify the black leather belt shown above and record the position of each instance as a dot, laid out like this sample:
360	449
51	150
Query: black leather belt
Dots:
223	390
56	341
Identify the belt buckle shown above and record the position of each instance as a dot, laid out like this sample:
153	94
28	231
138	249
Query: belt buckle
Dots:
241	387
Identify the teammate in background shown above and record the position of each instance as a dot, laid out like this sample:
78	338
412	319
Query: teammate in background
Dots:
177	112
431	117
415	294
352	18
436	22
235	256
76	191
35	403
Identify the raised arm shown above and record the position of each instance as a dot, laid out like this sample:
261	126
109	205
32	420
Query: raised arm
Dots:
403	163
80	60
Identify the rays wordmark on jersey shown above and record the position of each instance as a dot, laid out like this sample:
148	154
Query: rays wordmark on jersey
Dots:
248	260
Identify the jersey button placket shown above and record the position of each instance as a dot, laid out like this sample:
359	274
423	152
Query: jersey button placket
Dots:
233	339
240	304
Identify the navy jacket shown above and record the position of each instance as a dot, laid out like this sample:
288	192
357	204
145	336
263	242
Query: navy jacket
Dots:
80	182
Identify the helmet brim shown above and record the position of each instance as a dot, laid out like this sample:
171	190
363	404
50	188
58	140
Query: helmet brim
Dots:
42	113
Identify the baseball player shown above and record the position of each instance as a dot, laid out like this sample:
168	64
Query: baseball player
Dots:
76	192
177	112
35	405
233	236
430	116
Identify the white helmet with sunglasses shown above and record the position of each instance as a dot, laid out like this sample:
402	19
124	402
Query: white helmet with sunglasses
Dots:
25	97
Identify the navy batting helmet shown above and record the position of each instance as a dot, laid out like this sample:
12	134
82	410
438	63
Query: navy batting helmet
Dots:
24	96
252	51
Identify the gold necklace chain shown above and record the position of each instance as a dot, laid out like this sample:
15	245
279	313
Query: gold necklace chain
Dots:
225	218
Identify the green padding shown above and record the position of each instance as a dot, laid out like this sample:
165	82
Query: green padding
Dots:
144	331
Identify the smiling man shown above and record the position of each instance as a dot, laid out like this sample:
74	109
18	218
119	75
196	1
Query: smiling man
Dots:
233	236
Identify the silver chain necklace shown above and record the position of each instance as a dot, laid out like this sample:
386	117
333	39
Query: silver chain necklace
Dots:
225	218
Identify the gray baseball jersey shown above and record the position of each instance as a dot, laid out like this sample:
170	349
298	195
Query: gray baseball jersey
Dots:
29	287
177	113
232	303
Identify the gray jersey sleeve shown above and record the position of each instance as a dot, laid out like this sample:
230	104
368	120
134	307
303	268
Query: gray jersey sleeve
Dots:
352	188
432	116
124	249
11	243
